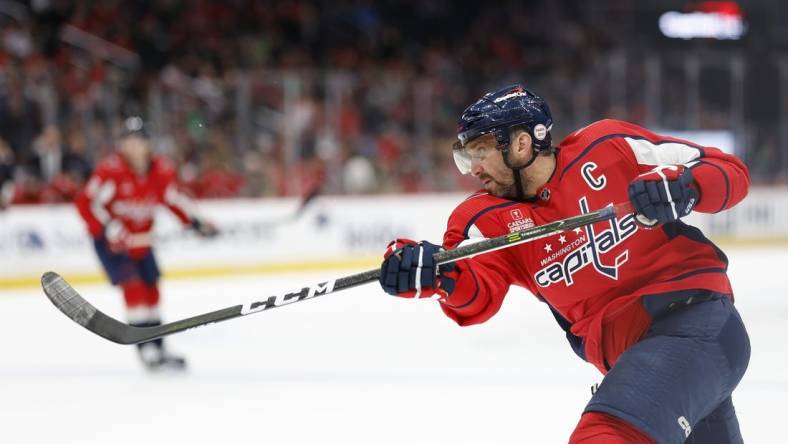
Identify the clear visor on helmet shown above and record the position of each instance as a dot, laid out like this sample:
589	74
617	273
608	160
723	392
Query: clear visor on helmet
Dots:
466	156
465	152
462	158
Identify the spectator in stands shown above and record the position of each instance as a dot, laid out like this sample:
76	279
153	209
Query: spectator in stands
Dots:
6	174
76	163
20	120
46	161
367	73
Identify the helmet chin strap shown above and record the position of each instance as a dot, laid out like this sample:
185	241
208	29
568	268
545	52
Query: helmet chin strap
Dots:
518	181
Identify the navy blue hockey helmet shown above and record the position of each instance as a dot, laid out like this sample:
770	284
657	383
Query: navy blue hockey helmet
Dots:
499	112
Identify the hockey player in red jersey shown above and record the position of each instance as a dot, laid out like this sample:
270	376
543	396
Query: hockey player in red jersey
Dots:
645	297
118	204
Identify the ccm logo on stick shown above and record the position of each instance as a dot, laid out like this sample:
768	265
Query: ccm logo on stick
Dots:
288	298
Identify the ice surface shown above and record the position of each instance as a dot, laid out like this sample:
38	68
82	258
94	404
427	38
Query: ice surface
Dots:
351	367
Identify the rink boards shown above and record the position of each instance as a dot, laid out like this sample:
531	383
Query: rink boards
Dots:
332	232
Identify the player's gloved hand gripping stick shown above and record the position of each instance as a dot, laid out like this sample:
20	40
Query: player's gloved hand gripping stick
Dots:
409	270
80	311
663	195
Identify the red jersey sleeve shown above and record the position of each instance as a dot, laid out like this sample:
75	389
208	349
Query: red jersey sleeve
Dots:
173	198
722	179
92	203
482	281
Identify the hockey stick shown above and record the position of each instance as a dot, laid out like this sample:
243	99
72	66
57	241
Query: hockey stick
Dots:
67	300
144	240
295	215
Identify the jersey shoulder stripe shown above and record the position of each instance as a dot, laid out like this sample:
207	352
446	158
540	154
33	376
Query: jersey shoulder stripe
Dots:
640	140
586	150
473	208
481	213
633	137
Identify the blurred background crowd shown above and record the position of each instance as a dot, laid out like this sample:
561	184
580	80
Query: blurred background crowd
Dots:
257	98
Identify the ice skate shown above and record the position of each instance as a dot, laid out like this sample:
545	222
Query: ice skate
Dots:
156	358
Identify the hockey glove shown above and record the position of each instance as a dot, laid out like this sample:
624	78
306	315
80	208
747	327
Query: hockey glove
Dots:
117	237
409	271
204	228
663	195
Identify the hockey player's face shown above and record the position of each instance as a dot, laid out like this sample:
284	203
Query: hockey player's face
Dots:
487	165
137	151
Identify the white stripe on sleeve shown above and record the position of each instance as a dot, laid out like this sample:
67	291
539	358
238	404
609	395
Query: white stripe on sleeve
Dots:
179	200
474	235
670	153
101	193
418	272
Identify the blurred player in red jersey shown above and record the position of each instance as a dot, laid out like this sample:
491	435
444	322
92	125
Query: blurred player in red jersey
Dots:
118	205
645	298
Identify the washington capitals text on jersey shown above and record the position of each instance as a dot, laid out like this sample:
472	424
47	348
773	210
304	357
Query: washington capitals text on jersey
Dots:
590	251
594	277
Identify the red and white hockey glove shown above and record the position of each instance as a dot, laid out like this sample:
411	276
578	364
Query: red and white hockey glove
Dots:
663	195
409	271
117	237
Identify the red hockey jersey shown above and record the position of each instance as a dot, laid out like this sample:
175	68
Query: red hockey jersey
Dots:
114	191
593	277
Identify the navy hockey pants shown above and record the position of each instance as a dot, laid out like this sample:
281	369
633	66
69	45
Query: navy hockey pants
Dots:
675	384
121	268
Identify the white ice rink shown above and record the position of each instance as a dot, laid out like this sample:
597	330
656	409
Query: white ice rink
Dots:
352	367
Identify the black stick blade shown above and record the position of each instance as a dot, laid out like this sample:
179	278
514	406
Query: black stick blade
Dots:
67	300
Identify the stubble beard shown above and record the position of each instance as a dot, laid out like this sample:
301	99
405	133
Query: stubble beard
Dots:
507	190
